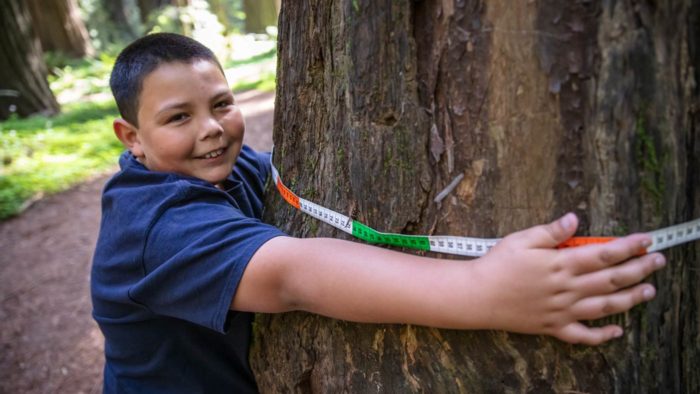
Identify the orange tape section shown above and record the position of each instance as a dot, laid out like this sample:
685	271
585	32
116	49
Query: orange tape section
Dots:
287	194
580	241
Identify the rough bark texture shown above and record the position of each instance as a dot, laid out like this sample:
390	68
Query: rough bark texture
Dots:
545	107
23	86
60	27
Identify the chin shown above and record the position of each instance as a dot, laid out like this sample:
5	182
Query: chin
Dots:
215	180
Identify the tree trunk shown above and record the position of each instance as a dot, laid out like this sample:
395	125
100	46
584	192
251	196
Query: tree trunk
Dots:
23	86
220	9
259	14
60	28
148	6
120	28
544	107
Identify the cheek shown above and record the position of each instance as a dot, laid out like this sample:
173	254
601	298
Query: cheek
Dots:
234	123
172	146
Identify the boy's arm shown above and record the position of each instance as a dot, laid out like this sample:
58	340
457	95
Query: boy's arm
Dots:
522	285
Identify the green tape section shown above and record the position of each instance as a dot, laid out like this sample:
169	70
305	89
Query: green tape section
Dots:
372	236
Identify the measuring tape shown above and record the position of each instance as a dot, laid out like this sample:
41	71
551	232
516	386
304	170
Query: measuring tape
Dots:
463	246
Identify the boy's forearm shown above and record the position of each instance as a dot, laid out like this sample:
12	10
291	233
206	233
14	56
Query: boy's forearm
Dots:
362	283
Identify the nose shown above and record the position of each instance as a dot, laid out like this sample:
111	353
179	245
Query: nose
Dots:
211	128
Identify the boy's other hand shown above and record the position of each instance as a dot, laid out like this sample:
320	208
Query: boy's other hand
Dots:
538	289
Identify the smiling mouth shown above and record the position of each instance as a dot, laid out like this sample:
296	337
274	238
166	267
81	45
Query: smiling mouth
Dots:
213	154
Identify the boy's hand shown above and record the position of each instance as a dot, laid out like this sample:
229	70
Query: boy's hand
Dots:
540	290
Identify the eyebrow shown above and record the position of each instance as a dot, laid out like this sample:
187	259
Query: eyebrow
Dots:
184	104
176	105
222	93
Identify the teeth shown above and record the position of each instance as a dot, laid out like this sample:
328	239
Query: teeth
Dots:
215	153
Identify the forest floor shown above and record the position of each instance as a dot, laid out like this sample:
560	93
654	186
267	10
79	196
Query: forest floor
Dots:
48	340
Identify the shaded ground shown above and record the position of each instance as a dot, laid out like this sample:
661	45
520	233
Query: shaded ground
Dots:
48	340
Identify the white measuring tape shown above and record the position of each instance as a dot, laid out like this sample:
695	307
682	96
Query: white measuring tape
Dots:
463	246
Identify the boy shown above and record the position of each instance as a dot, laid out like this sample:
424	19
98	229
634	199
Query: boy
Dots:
183	258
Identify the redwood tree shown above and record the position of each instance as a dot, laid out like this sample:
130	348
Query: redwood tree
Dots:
544	107
23	86
60	27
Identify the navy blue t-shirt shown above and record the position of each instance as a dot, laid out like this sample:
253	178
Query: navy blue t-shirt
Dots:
169	257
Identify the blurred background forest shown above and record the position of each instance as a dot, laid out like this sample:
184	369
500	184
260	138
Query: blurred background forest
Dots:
55	106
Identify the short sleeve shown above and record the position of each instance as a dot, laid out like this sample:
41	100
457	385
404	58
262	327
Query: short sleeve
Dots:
194	258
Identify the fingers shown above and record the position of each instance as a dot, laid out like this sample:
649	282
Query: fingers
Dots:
610	280
598	256
600	306
549	235
579	333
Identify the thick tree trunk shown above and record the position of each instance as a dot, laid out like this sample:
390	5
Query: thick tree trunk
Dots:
259	14
545	107
23	86
60	28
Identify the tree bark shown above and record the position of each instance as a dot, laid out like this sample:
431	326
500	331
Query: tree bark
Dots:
23	86
259	14
545	107
60	28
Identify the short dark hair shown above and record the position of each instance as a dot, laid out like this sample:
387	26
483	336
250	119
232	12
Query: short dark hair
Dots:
142	57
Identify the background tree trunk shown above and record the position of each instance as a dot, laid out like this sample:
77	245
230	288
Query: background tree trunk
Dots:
221	9
23	86
148	6
545	107
259	14
120	28
60	27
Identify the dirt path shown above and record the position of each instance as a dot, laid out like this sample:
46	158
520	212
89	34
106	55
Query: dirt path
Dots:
48	340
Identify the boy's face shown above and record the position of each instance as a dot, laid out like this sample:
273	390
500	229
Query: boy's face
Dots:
188	122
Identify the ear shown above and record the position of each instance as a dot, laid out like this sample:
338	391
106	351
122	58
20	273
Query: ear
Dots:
128	135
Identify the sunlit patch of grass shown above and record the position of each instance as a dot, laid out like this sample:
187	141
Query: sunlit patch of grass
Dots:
265	83
269	55
77	79
42	155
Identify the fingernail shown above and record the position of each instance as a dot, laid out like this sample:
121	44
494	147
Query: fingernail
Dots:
567	221
617	333
646	242
659	261
648	293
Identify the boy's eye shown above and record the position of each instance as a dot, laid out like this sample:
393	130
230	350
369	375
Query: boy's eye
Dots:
222	104
177	117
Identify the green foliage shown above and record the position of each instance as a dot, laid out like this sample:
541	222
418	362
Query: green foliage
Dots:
107	35
42	155
194	20
252	64
230	13
77	79
265	83
270	55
